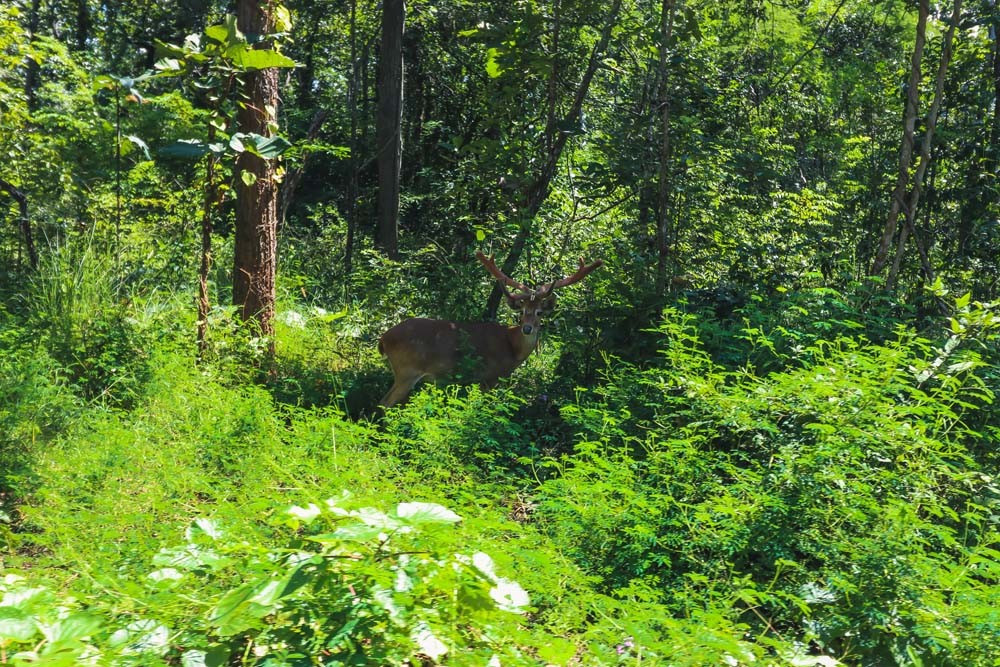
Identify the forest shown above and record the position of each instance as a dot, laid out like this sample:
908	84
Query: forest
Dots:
284	380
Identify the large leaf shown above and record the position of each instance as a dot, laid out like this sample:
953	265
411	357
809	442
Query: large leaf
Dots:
418	513
186	148
246	58
269	147
16	624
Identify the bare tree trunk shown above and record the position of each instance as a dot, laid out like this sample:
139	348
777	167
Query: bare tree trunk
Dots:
663	177
23	222
208	210
538	191
388	125
82	24
906	150
352	182
32	78
913	201
256	190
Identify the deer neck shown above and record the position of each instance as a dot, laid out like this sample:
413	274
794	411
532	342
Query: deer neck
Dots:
522	344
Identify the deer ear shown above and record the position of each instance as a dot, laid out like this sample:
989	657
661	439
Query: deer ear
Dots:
513	304
549	303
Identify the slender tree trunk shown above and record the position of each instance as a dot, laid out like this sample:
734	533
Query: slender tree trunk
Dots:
291	180
256	190
23	222
906	150
663	178
388	125
32	78
352	182
538	191
550	120
208	210
913	200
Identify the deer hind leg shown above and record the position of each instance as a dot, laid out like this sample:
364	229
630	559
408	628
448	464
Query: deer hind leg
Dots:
400	389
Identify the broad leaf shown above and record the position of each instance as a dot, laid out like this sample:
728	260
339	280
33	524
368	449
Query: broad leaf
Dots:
246	58
418	513
16	624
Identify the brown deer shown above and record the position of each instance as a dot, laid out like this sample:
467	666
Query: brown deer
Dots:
480	352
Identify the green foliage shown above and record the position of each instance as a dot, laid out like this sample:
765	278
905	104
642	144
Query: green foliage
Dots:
356	586
837	503
76	301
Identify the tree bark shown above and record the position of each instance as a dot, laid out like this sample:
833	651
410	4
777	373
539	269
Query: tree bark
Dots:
663	177
257	193
538	191
352	182
23	222
906	150
388	125
82	24
208	210
913	200
32	78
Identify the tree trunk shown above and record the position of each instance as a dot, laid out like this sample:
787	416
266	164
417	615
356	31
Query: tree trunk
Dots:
352	182
208	210
32	78
388	121
913	201
663	177
82	24
538	191
23	222
256	190
292	178
906	150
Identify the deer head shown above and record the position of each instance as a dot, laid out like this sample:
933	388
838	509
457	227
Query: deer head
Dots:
480	352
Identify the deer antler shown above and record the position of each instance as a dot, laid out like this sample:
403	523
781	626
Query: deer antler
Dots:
491	266
580	274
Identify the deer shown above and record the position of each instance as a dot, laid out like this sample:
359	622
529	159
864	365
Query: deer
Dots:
476	352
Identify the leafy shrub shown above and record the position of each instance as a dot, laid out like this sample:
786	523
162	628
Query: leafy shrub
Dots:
836	504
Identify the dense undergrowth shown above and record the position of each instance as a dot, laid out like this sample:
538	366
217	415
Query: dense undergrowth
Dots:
798	483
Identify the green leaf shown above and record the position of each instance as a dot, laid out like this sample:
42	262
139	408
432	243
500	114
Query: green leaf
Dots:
218	33
267	147
493	68
418	513
963	301
282	19
16	624
185	148
227	610
248	178
75	626
246	58
140	143
355	532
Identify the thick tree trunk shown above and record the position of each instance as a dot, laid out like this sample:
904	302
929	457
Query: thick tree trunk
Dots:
906	150
82	24
256	191
388	122
538	191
